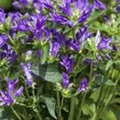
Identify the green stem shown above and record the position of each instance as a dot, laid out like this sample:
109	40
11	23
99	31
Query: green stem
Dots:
38	114
80	107
26	90
94	117
59	106
34	104
16	113
72	108
62	102
83	98
109	99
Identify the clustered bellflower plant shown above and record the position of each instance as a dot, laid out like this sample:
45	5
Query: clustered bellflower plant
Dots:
60	60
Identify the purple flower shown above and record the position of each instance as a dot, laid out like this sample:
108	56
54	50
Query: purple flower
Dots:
118	8
22	27
7	98
27	73
54	48
11	85
67	62
114	48
66	9
83	85
24	2
99	5
82	18
3	40
60	19
87	61
39	26
48	4
82	35
65	80
85	14
2	16
19	4
74	45
8	54
38	53
104	43
81	4
2	55
18	92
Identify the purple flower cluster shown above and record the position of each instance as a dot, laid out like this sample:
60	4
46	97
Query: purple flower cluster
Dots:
7	98
64	25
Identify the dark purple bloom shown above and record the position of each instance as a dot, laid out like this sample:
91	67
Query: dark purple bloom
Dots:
8	54
11	85
99	5
60	38
17	5
7	98
54	49
114	48
20	3
85	14
89	9
22	27
104	43
99	57
2	55
66	9
24	2
74	45
67	62
65	80
18	92
118	8
107	19
54	32
87	61
39	26
26	69
3	40
38	53
83	85
60	19
2	16
82	18
81	4
107	56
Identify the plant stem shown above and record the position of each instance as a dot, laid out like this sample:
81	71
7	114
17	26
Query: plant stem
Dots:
34	103
83	98
72	108
38	114
59	106
80	107
16	113
62	102
110	98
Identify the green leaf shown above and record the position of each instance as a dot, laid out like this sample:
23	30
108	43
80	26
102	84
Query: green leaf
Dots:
109	115
109	64
88	109
49	72
45	53
116	111
100	79
50	103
